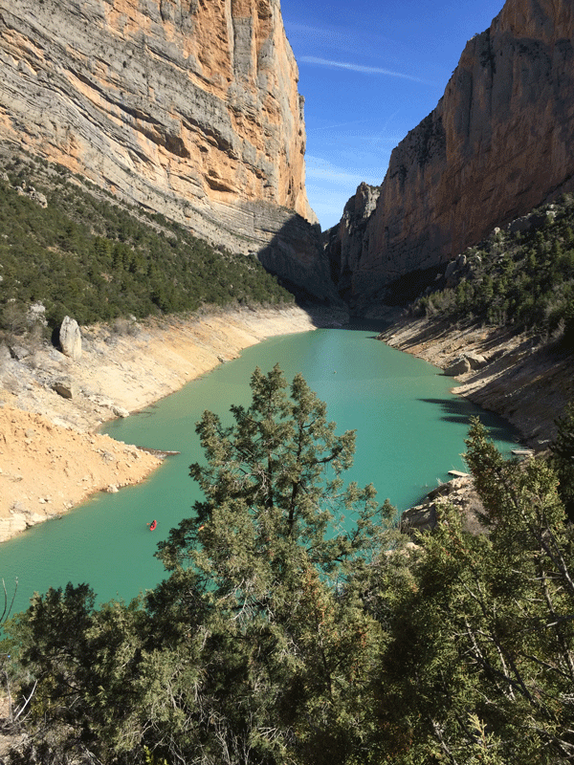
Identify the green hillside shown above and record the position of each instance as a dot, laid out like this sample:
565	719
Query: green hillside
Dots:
93	259
523	279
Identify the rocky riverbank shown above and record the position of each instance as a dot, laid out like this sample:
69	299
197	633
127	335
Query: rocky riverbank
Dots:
51	456
521	377
525	380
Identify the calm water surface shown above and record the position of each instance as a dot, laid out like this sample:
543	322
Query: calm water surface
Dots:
410	433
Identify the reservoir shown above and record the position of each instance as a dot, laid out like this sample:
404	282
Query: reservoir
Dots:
410	433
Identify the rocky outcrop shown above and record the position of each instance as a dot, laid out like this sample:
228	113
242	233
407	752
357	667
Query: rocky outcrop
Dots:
464	363
459	493
497	144
186	107
71	338
347	242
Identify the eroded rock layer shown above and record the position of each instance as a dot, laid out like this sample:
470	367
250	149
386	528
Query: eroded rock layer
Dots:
498	143
188	107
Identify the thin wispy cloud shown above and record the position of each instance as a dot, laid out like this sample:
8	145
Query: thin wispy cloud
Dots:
360	68
322	39
314	33
346	39
337	125
322	171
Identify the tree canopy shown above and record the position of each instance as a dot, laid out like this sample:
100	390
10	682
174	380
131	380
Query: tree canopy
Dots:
256	647
296	626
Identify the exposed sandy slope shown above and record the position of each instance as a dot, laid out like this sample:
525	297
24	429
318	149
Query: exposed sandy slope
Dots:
50	456
524	380
47	469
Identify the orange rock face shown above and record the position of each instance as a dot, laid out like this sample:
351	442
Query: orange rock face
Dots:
188	107
497	144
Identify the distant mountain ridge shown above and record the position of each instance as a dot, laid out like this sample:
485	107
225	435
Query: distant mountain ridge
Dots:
498	144
188	108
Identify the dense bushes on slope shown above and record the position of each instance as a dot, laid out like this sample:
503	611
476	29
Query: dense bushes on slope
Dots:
88	257
520	278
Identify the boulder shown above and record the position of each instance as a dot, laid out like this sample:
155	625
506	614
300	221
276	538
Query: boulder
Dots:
476	360
65	388
38	197
418	519
119	411
450	269
71	338
458	367
18	352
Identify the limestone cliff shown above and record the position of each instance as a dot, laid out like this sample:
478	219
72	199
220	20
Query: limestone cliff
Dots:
188	107
498	143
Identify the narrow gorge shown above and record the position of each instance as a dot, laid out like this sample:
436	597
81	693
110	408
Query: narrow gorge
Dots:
497	144
191	110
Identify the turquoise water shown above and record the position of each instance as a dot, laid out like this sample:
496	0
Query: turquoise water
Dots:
410	433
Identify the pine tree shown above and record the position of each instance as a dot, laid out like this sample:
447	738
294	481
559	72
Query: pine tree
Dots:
563	457
479	663
267	566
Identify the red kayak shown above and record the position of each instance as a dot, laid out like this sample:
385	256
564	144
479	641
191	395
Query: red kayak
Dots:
152	525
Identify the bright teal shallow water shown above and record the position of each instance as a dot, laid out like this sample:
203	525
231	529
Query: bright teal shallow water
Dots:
410	433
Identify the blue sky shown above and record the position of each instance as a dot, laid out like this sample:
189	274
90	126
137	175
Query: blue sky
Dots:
370	71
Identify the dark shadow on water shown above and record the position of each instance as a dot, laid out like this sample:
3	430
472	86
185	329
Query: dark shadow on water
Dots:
356	324
459	411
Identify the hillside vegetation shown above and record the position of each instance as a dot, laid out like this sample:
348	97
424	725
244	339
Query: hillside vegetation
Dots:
522	277
74	249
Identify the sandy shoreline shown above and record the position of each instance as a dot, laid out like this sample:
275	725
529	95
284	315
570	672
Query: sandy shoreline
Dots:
51	456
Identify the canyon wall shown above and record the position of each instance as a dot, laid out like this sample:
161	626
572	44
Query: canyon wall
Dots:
188	107
498	143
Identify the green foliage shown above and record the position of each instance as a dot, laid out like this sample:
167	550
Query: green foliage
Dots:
563	458
87	256
270	468
89	660
281	635
480	664
523	279
270	566
256	648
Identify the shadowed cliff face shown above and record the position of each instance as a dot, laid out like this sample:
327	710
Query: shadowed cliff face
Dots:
498	144
190	108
